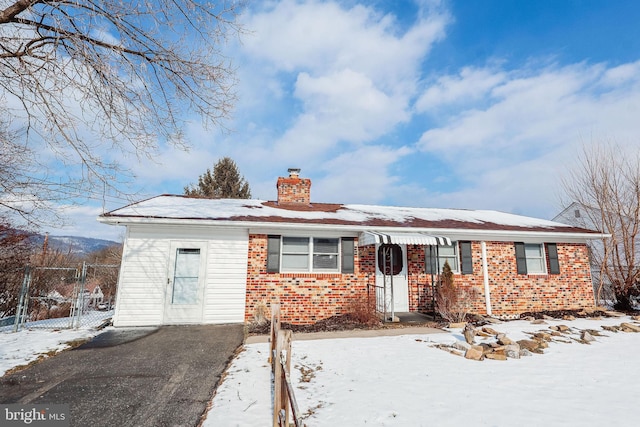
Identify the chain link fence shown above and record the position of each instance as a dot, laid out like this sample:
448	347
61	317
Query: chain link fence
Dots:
64	297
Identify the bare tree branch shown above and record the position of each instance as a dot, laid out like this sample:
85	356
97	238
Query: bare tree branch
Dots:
80	76
606	184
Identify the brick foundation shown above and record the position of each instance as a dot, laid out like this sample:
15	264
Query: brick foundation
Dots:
306	298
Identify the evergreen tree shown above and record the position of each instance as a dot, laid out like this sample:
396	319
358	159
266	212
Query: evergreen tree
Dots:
224	183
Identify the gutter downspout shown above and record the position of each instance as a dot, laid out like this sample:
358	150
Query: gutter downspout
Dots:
485	277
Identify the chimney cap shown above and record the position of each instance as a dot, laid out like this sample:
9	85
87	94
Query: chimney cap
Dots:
293	172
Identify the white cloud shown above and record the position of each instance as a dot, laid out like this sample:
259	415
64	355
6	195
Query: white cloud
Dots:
345	77
360	176
512	151
468	86
325	37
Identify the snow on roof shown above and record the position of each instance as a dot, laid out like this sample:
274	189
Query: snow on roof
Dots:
251	210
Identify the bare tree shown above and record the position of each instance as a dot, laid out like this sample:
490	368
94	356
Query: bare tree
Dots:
606	184
224	183
15	251
95	81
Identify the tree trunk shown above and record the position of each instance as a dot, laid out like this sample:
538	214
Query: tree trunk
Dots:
623	302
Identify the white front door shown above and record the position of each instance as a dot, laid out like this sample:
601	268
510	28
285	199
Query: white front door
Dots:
392	259
185	283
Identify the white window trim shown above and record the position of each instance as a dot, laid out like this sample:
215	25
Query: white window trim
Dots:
310	254
544	259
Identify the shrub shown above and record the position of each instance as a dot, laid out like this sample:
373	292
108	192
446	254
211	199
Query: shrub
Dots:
362	311
453	302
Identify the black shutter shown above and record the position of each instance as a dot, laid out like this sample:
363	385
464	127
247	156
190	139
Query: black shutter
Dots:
347	255
466	258
521	259
273	254
552	253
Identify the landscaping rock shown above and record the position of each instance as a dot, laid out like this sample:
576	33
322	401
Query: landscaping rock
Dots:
469	333
538	322
474	353
512	351
496	356
568	317
613	314
524	352
504	340
586	337
543	336
461	345
489	331
531	345
541	343
486	348
629	327
611	328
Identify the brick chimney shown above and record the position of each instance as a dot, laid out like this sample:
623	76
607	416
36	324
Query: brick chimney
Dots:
294	190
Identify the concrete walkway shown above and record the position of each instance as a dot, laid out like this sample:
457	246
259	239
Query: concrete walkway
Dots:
134	377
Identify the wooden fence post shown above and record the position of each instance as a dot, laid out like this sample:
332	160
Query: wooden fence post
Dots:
275	329
277	382
286	346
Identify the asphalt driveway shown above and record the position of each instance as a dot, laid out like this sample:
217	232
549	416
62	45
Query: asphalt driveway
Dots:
143	377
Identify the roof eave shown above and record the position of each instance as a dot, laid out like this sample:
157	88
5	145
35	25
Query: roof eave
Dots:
454	233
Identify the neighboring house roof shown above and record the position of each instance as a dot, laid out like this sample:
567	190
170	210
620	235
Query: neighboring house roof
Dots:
182	209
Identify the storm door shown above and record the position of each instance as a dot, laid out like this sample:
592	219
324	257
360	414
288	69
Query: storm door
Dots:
185	283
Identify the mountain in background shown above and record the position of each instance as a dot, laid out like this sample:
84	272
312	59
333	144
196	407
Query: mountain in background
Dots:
80	246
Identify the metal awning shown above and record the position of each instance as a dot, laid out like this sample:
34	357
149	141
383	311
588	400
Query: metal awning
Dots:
414	238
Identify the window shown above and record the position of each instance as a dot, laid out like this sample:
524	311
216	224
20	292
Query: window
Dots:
185	276
437	256
295	253
530	258
390	259
310	254
325	254
535	258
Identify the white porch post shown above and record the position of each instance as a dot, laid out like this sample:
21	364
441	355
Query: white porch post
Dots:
485	277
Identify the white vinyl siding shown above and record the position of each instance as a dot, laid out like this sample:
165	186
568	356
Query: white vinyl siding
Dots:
143	282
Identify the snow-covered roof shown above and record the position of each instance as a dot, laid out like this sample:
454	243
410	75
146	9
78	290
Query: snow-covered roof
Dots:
173	207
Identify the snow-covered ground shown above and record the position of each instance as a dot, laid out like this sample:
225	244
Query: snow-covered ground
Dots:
407	381
20	348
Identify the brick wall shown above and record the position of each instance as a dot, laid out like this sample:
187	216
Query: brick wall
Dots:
304	297
307	298
511	293
294	190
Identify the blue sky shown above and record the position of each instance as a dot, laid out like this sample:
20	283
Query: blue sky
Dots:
461	104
